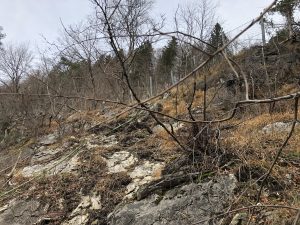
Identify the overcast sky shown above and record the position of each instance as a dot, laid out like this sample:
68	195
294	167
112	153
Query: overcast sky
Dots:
28	20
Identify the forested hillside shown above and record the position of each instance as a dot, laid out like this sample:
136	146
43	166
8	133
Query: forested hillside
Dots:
128	121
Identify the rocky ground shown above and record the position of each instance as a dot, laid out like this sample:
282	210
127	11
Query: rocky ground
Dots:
120	173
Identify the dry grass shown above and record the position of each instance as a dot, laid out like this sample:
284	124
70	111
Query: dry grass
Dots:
170	108
92	115
111	188
157	173
249	134
257	149
166	142
288	88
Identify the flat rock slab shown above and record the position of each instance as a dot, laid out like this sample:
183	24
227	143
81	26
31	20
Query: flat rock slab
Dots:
80	215
80	219
120	162
102	140
48	139
146	172
278	127
185	205
52	168
174	127
143	174
44	154
20	213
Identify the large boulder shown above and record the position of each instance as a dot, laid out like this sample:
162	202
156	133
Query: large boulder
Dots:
48	139
278	127
183	205
20	212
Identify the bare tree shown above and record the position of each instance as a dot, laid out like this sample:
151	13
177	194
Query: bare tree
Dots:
131	28
80	44
130	22
15	62
112	16
84	46
196	19
2	35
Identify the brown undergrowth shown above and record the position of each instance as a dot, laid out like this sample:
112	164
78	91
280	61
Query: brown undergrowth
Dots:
239	146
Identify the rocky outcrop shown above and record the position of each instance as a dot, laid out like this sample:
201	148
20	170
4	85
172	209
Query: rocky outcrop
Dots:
80	215
51	168
141	174
120	162
51	161
116	184
49	139
21	212
278	127
188	204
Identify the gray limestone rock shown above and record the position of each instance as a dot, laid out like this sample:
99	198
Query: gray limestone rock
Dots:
278	127
52	168
44	154
20	212
239	219
175	127
48	139
184	205
80	215
120	162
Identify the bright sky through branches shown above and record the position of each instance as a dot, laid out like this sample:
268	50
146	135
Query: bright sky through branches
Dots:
27	21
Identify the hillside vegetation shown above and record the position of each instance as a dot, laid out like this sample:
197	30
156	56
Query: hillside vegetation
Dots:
197	132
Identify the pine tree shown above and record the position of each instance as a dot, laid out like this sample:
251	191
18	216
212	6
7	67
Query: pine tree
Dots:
287	8
217	38
2	35
142	66
167	60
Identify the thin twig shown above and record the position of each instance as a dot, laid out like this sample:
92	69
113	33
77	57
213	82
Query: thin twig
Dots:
248	208
297	218
280	149
234	110
256	20
114	45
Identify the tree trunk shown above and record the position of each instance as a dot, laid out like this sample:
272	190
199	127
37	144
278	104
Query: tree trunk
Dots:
290	24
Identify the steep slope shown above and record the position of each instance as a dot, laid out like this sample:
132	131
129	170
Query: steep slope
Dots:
111	168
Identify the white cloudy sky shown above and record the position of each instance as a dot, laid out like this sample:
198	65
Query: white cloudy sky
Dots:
27	20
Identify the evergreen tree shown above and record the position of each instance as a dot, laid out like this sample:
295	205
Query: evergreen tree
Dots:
2	35
142	66
167	60
287	8
217	38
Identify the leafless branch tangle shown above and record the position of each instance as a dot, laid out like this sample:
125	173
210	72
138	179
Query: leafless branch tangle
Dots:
199	125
